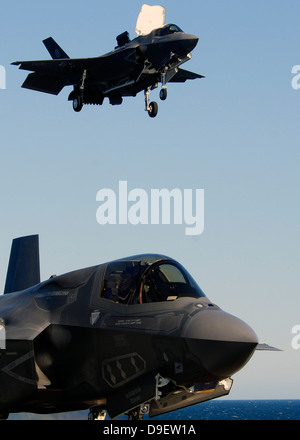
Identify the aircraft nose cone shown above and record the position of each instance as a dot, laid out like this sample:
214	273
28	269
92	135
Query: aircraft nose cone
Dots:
191	42
222	343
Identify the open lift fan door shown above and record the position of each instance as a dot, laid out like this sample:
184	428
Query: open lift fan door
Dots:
150	17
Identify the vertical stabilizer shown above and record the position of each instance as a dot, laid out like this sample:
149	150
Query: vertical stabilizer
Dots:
54	49
24	264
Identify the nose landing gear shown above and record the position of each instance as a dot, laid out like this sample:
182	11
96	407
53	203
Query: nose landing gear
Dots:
97	413
163	90
163	93
152	107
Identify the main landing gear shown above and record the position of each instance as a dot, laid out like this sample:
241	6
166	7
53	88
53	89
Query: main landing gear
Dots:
77	103
78	95
151	107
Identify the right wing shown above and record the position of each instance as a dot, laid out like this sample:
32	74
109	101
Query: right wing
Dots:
182	75
267	347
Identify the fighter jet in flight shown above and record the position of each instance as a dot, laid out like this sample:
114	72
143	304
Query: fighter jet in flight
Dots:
132	336
133	66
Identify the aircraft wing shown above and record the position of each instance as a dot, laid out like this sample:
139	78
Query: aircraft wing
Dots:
267	347
182	75
44	83
50	76
59	64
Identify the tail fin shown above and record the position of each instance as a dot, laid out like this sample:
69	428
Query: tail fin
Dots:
24	264
54	49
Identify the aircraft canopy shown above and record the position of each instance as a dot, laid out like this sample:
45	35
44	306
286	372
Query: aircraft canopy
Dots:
138	282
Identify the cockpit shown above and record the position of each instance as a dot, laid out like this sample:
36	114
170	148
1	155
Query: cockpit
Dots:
167	30
147	280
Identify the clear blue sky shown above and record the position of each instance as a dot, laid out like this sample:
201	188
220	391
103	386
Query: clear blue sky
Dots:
234	134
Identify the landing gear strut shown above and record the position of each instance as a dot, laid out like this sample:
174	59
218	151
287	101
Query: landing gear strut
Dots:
138	412
163	91
78	97
152	107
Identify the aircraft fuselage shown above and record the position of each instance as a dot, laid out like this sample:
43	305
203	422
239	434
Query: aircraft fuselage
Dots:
91	337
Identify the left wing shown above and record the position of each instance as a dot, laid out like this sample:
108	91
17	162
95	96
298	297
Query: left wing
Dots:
50	76
59	65
44	83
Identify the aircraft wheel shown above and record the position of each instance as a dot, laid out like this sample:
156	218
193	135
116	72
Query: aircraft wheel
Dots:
153	109
163	94
77	103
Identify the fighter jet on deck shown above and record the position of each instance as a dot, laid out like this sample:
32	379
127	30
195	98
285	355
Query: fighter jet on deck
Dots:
133	66
135	336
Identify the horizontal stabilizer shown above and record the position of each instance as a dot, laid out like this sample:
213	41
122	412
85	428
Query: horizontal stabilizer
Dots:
24	264
182	75
43	83
266	347
54	49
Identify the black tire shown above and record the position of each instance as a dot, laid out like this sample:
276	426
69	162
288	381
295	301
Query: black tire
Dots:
163	94
153	109
77	103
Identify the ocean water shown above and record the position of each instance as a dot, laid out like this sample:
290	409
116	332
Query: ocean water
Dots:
211	410
238	410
